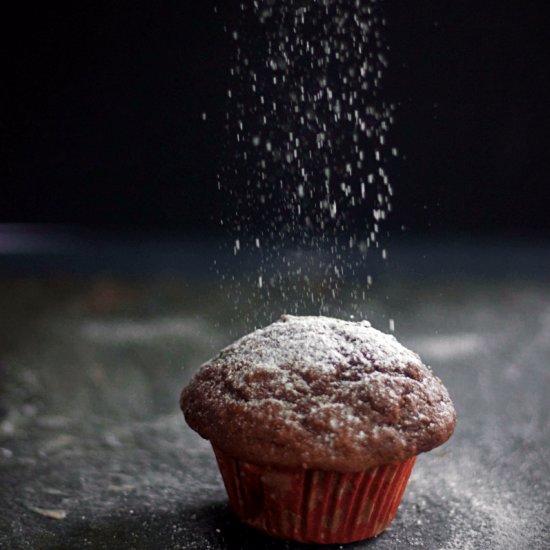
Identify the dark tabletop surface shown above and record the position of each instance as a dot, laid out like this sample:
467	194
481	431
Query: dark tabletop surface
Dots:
96	343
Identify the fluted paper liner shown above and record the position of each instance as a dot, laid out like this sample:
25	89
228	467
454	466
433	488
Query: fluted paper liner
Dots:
313	506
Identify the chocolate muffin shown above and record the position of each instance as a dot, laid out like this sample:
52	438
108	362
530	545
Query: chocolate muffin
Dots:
316	423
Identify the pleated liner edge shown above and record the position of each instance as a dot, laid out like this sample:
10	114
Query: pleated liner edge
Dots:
314	506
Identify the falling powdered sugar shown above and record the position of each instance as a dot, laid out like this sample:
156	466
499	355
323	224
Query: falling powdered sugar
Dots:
307	178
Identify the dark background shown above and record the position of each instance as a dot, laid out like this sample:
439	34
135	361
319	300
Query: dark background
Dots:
102	122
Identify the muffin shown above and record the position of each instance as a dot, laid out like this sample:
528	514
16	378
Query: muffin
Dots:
316	424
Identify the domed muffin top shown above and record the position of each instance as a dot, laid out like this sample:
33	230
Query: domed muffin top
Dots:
321	393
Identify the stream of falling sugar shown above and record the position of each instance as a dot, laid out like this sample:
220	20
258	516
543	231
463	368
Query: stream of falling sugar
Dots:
307	185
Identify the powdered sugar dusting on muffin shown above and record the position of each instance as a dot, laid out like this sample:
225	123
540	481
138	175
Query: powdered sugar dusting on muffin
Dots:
319	341
322	391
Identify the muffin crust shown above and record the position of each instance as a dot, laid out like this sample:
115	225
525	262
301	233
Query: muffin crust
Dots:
319	393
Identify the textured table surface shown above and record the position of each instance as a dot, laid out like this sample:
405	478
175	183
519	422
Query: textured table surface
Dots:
94	452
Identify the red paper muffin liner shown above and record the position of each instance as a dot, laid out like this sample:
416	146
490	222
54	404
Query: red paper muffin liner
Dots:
313	506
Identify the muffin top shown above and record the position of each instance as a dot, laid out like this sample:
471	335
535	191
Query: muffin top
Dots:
320	393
